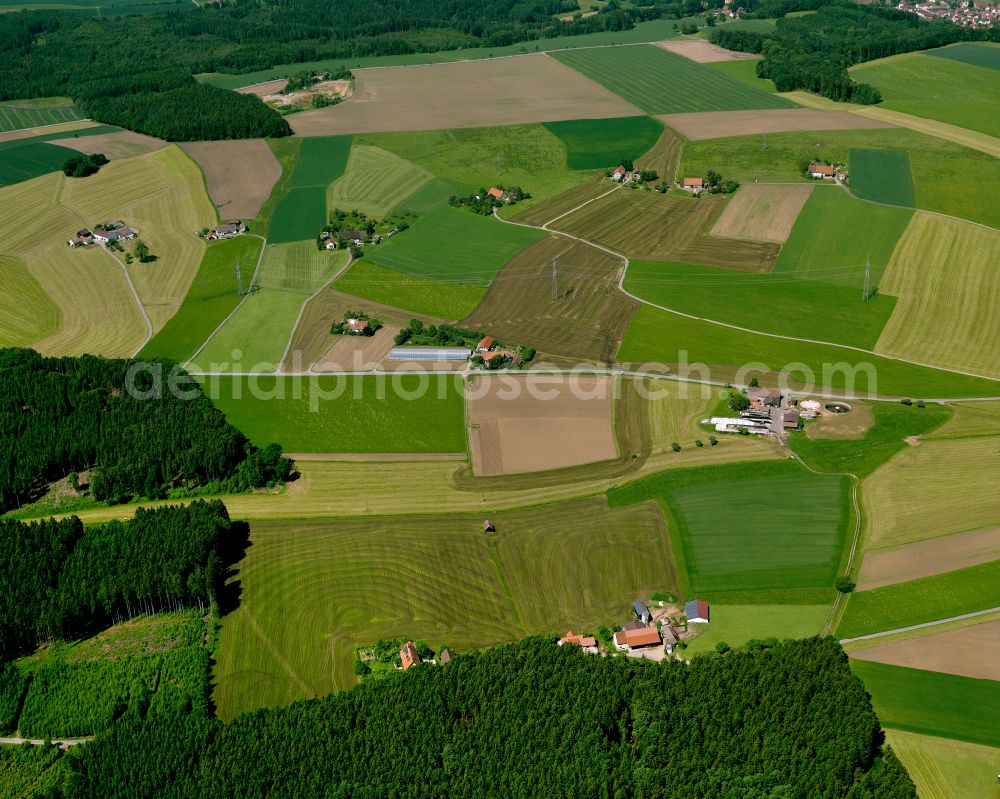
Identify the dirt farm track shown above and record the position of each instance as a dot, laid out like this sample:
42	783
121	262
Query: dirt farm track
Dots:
505	91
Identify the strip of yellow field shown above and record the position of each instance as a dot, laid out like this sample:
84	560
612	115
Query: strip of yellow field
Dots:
331	489
939	266
942	130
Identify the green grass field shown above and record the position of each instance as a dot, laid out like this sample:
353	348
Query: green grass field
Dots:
27	159
29	314
376	181
794	307
419	295
322	159
946	88
737	624
663	337
744	70
299	266
604	143
943	768
313	591
933	703
210	299
947	177
255	336
454	245
19	114
819	247
893	423
660	82
385	413
918	601
882	175
299	216
467	159
977	54
765	529
301	213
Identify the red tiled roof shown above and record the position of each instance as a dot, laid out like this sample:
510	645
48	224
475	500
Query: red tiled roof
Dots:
644	637
821	169
495	192
694	182
486	343
357	325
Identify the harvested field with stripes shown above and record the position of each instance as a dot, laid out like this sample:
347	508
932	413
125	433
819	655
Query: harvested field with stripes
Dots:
551	209
240	174
665	156
117	145
314	591
930	490
19	114
938	266
650	226
375	181
162	194
943	768
81	299
720	124
531	423
588	317
508	91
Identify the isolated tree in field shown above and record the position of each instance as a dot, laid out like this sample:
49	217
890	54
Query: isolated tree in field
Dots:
845	584
141	250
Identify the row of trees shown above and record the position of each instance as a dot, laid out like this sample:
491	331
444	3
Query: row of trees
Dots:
530	719
813	52
62	415
62	581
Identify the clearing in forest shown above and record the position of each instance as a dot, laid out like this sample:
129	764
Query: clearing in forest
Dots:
649	225
762	212
527	88
240	174
940	265
586	317
660	82
720	124
315	591
969	651
526	423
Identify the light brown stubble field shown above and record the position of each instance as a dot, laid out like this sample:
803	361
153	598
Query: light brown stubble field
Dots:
719	124
704	52
240	174
762	212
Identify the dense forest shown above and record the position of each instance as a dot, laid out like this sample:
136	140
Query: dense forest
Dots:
138	71
813	51
65	415
529	719
61	580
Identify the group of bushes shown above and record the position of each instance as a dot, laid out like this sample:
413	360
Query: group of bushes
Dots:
82	166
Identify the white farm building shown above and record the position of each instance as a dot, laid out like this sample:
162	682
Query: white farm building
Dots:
430	354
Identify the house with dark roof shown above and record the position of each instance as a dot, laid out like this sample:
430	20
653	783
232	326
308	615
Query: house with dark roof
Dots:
764	397
642	612
408	655
696	611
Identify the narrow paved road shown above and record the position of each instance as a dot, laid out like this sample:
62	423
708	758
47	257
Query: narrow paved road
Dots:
919	626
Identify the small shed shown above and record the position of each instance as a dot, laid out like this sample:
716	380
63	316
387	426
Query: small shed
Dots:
488	526
445	656
642	612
